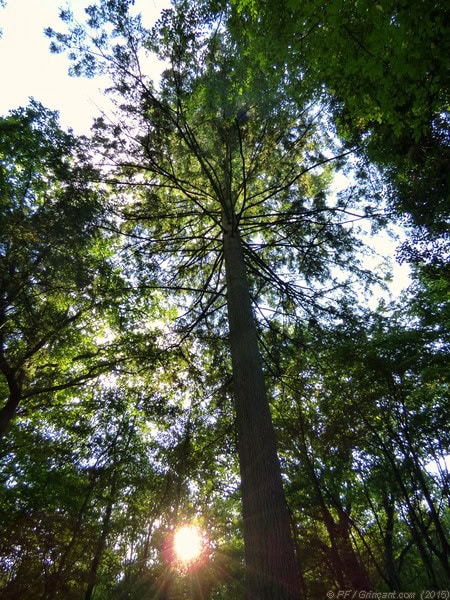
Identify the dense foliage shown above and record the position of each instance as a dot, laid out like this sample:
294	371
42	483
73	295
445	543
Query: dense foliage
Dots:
127	410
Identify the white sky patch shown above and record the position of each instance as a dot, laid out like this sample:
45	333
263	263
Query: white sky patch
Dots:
440	466
385	247
27	68
382	248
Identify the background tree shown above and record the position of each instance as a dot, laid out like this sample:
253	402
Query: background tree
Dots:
385	67
231	182
365	396
218	174
55	267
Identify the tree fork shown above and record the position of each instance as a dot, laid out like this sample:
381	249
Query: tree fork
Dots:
272	571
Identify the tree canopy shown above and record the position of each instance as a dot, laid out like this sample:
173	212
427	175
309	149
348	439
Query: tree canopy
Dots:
186	335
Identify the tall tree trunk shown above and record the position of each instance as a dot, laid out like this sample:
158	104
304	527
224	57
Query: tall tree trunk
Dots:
333	552
388	539
271	566
101	542
444	553
78	525
54	581
354	569
8	411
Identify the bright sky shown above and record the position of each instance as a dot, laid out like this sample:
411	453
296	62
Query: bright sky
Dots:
27	68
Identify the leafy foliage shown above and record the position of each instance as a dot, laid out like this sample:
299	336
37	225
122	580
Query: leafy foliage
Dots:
115	343
54	262
385	67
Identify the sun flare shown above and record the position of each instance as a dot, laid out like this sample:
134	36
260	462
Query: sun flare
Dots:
187	543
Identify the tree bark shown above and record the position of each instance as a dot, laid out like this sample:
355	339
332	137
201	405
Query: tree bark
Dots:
388	538
271	566
8	411
354	570
101	542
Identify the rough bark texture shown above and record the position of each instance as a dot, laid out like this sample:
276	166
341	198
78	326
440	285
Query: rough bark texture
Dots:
271	566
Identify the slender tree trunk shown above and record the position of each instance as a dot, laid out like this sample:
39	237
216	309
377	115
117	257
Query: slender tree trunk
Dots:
78	526
8	411
389	560
271	566
419	531
444	553
101	542
319	499
407	446
355	571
